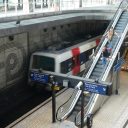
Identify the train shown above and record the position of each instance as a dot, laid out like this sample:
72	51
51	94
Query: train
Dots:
60	59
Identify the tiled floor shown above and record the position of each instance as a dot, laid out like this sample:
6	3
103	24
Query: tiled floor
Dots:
113	114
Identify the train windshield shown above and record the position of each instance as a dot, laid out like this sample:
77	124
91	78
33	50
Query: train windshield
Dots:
43	62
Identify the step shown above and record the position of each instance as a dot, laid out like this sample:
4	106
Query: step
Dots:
93	77
98	69
96	74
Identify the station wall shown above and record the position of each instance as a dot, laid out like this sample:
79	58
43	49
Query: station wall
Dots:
15	50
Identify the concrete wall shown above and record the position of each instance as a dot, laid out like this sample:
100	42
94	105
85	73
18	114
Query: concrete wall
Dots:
15	50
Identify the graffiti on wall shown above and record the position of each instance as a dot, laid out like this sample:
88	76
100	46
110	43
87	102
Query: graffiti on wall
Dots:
14	59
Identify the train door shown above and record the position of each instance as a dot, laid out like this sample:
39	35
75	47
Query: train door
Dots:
75	61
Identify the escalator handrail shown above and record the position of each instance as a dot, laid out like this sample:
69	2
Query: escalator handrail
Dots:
114	23
72	94
102	79
109	26
79	114
105	68
116	46
96	59
112	51
64	104
115	53
101	47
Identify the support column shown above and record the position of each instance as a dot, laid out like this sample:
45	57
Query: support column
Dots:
82	107
117	82
80	3
26	6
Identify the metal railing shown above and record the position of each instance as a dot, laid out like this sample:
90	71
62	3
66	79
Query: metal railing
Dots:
26	7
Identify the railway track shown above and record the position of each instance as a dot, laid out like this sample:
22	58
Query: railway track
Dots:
35	109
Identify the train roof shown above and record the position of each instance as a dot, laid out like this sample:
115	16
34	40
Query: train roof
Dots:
56	52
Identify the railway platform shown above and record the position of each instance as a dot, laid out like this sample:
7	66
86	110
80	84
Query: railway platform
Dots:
113	114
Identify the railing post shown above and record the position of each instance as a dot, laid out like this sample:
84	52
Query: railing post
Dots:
117	77
53	99
5	7
16	5
82	107
33	5
80	3
59	5
41	5
26	6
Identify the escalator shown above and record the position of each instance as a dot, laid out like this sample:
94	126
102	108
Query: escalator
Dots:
77	107
101	72
98	72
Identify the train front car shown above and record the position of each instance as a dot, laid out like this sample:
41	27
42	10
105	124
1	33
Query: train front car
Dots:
71	60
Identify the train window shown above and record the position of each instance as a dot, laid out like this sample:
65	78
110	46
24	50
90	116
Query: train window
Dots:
53	28
12	4
61	26
46	63
89	52
69	25
83	58
45	30
66	66
41	3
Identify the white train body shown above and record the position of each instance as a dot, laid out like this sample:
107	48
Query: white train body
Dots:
70	60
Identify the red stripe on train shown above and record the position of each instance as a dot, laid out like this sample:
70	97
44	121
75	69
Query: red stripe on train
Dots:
76	61
97	42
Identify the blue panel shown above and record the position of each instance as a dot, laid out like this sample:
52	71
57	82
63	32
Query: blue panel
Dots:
96	88
41	78
118	65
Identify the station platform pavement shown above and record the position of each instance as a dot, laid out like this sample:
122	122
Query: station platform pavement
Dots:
113	114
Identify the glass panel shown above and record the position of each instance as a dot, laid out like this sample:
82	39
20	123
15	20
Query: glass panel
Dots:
42	62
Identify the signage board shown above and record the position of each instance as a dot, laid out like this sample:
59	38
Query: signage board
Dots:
96	88
119	64
38	77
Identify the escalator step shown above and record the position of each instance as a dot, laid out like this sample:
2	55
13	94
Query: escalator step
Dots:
99	66
77	108
122	19
119	25
119	28
119	31
93	77
121	22
74	113
97	74
86	98
98	69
